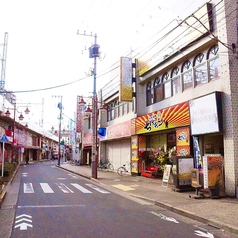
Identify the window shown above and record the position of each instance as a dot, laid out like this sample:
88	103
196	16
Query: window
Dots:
89	121
158	90
148	94
167	85
213	63
110	114
187	77
176	85
200	70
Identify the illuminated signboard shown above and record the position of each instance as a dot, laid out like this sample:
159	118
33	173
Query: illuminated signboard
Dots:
206	114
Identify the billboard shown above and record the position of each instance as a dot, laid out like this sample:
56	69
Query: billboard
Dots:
206	114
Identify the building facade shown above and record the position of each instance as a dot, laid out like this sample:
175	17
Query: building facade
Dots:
200	74
185	96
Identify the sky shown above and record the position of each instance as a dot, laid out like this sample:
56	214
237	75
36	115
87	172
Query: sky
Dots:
47	59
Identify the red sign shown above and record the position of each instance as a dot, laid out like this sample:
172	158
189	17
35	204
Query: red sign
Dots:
119	130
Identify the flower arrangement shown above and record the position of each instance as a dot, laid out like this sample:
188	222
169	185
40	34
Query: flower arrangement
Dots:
157	157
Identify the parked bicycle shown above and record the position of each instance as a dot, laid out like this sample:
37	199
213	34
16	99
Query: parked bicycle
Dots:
102	165
123	169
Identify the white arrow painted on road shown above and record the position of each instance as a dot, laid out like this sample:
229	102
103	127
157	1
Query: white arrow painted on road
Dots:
23	215
23	226
22	219
162	216
203	234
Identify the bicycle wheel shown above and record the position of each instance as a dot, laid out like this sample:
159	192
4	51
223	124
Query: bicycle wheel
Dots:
110	167
121	171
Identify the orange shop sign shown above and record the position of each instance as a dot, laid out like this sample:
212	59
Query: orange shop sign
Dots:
171	117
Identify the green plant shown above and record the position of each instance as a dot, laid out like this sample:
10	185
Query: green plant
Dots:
157	157
8	169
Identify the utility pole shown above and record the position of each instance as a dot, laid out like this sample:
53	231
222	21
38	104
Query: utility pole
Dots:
60	106
4	58
94	53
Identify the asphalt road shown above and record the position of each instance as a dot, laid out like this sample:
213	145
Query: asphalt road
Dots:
55	203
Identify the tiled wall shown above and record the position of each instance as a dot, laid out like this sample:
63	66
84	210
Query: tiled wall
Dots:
227	33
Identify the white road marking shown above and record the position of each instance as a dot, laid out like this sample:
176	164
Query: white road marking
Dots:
49	206
23	215
162	216
64	188
23	226
81	188
73	175
97	188
23	219
23	222
46	188
28	188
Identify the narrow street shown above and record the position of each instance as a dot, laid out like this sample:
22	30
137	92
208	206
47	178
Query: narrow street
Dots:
55	203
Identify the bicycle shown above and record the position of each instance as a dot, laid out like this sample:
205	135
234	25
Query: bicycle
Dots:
105	165
122	170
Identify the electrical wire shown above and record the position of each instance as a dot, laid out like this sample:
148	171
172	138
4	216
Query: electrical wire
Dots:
99	75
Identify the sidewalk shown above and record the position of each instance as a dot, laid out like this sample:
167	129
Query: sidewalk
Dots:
221	213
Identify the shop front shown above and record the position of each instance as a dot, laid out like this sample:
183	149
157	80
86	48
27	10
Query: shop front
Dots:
187	136
86	149
116	146
207	132
159	136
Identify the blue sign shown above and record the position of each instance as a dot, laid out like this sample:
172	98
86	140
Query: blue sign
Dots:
4	138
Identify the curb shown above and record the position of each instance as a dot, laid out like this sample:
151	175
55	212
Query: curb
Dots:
4	193
2	196
84	176
14	174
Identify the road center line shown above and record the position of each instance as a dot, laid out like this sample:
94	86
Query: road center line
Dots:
50	206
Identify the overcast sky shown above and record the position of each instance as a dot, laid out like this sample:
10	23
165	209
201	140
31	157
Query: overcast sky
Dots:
45	52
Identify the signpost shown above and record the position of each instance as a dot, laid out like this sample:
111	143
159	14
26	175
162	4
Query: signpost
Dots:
166	175
3	139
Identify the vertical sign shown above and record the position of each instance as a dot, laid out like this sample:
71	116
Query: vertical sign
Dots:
183	141
166	175
134	154
79	116
125	92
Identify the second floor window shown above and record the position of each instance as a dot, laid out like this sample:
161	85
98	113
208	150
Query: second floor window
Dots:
187	76
200	70
167	85
176	84
213	63
158	90
149	94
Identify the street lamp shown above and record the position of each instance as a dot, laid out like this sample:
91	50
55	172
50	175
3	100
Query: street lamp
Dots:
21	117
